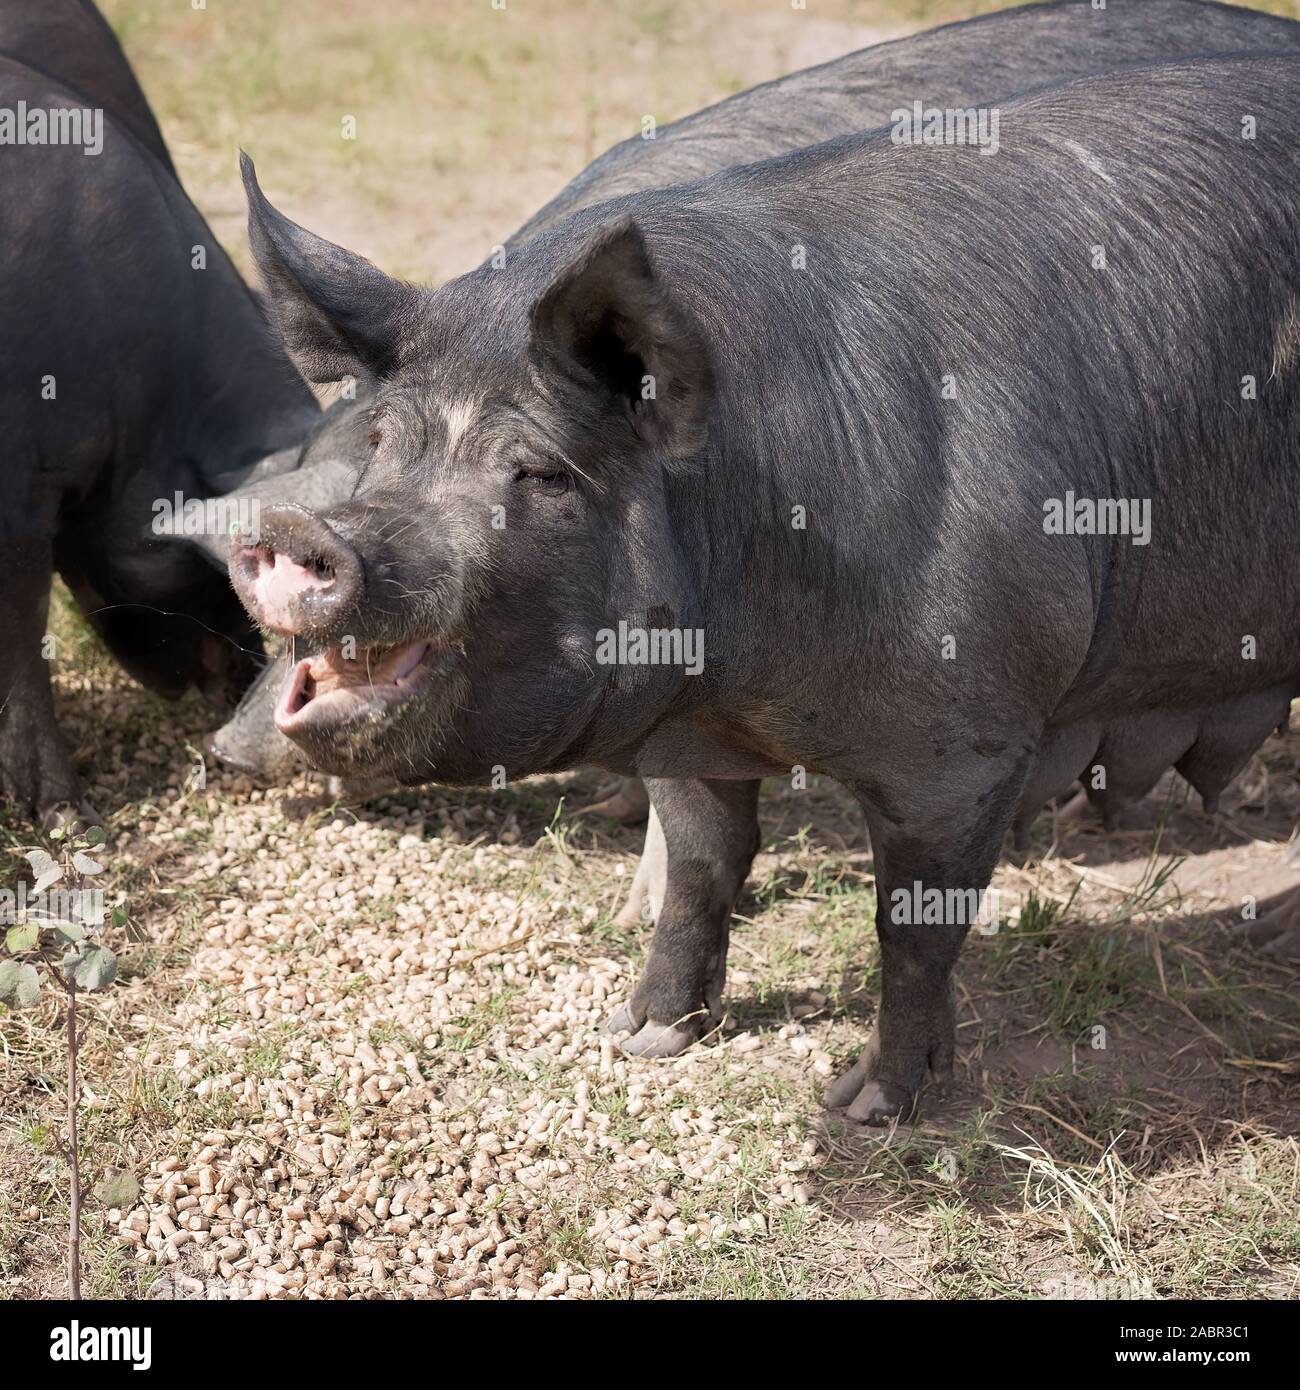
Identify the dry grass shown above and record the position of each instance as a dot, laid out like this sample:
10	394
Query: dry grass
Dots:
355	1053
468	119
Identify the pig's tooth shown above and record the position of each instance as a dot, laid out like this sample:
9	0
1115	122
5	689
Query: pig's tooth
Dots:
410	659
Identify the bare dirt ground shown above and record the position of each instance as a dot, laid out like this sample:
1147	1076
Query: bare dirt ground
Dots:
356	1051
468	119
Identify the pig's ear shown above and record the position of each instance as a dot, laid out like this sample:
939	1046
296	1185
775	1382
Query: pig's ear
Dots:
608	320
337	315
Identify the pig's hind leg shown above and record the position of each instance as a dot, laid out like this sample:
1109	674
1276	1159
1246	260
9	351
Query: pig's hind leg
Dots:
645	899
1278	932
37	773
933	863
628	803
710	835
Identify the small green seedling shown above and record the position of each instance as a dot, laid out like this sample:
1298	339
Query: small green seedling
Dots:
55	936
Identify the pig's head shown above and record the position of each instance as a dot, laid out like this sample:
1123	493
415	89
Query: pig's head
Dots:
249	741
166	618
194	632
524	426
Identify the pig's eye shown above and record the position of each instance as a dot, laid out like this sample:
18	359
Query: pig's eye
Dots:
544	478
376	438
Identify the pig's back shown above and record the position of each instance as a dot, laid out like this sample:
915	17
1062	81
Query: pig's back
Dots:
105	305
985	59
70	41
925	266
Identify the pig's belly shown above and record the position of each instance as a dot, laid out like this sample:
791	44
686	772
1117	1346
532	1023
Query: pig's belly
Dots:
1208	746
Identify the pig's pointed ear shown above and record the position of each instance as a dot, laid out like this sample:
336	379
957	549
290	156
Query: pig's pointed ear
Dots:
608	321
337	315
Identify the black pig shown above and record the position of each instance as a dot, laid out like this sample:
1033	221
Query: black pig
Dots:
134	365
71	42
989	57
822	410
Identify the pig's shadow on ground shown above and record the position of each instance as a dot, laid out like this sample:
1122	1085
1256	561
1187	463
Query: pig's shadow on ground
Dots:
1159	1063
1155	830
825	819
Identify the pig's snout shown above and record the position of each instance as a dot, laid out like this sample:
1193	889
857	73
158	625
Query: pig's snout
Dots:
300	576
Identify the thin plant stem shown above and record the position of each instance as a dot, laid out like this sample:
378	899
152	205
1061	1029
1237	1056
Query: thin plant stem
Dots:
74	1204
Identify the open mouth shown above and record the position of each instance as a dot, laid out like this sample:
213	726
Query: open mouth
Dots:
329	689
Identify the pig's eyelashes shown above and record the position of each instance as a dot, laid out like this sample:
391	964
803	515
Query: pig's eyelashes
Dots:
546	480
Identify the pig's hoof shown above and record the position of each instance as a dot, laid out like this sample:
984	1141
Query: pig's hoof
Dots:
1285	947
1273	936
659	1040
867	1100
842	1091
625	1020
74	819
1277	933
631	914
879	1103
651	1038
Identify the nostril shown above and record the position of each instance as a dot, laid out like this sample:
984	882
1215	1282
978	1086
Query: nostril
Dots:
300	575
287	575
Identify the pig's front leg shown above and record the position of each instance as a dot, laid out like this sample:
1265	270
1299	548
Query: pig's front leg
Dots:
34	764
709	832
920	938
